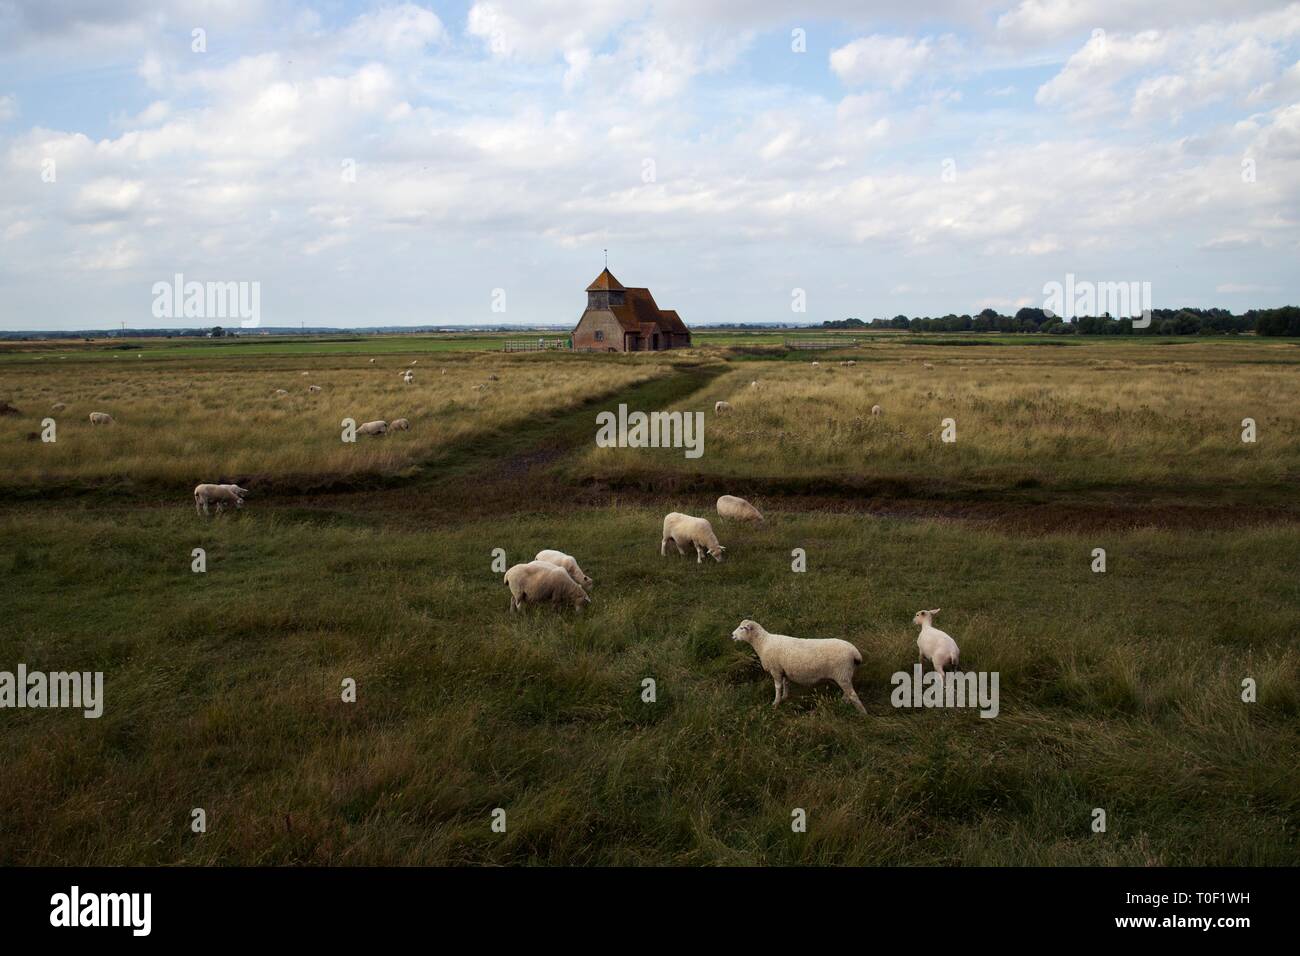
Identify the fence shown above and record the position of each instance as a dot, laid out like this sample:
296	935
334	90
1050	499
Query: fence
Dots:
826	343
534	345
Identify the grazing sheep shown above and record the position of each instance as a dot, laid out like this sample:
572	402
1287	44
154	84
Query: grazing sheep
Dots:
875	409
568	562
58	407
850	362
372	361
415	362
539	582
934	643
816	364
729	506
755	384
101	418
304	373
408	378
399	425
373	428
682	529
721	408
280	393
494	378
220	495
313	389
802	660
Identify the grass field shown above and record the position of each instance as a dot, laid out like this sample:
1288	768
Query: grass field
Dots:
1119	690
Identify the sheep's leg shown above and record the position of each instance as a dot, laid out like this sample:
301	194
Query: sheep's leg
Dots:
663	548
197	509
699	554
851	695
678	545
777	680
785	687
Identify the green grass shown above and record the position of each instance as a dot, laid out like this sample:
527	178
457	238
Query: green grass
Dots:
1118	691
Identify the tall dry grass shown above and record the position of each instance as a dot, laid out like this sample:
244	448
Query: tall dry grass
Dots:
202	420
1077	417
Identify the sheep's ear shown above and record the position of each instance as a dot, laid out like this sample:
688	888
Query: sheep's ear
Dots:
935	610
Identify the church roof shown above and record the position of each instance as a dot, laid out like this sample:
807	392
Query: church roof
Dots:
605	282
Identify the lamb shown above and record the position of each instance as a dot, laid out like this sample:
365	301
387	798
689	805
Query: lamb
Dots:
399	425
875	409
729	506
539	582
683	529
721	408
803	660
313	389
221	495
934	643
373	428
568	563
101	418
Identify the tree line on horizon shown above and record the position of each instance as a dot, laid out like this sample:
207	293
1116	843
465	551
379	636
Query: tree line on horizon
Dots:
1188	321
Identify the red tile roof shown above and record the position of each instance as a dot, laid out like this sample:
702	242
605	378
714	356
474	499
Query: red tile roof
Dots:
605	282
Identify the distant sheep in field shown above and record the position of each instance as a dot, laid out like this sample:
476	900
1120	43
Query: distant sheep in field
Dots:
927	365
313	389
414	362
58	407
875	410
816	364
101	418
850	362
683	529
755	384
480	387
444	371
802	660
304	373
729	506
408	378
494	378
280	393
934	643
220	495
373	428
372	361
568	563
539	582
399	425
721	408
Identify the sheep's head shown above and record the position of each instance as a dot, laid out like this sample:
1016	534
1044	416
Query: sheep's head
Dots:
746	632
583	600
716	551
924	618
587	581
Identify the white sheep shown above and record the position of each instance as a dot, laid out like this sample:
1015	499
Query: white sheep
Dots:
372	361
539	582
875	409
409	377
101	418
683	529
313	389
721	408
566	561
849	363
415	362
729	506
802	660
373	428
220	495
816	364
399	425
280	393
934	643
755	384
304	373
926	365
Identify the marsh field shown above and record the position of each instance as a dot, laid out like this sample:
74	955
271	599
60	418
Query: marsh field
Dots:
372	562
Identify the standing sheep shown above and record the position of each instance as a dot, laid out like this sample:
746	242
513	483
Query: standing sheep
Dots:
313	389
568	563
721	408
875	410
220	495
934	643
408	377
399	425
539	582
101	418
683	529
729	506
804	661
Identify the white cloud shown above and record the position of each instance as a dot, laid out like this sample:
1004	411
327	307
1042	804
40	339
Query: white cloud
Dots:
883	61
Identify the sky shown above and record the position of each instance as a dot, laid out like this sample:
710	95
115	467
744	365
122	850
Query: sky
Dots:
469	162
